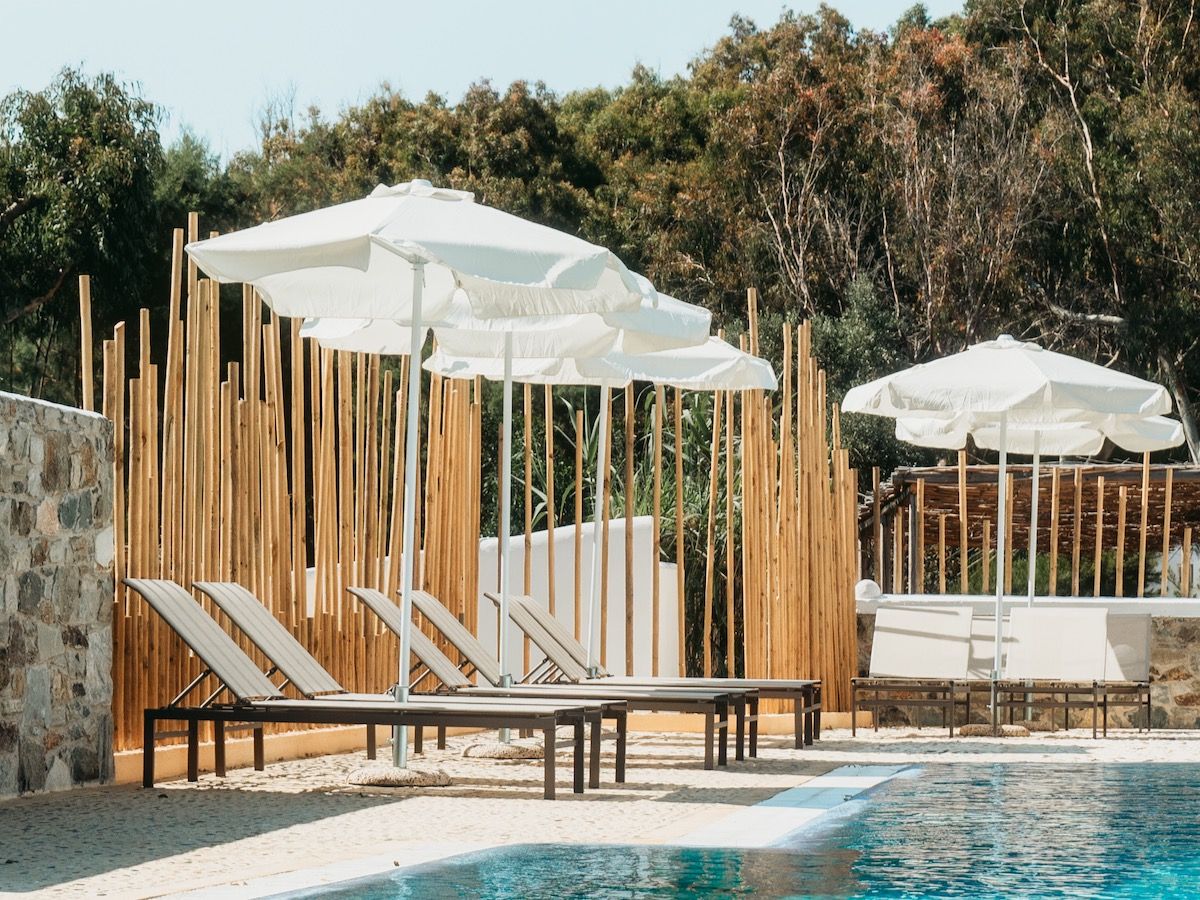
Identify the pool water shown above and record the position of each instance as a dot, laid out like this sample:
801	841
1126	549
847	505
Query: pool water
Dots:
955	830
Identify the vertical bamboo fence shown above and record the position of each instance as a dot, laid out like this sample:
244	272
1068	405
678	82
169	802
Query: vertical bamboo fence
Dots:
1104	530
278	464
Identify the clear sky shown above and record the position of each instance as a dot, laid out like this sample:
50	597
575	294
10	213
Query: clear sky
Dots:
213	64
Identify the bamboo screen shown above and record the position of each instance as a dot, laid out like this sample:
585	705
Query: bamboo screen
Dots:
283	470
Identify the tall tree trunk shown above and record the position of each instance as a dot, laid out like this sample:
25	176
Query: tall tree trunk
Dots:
1183	404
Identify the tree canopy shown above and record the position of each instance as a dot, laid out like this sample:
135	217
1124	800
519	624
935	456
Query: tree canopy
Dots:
1024	167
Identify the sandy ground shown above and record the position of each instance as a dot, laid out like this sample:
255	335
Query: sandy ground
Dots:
127	842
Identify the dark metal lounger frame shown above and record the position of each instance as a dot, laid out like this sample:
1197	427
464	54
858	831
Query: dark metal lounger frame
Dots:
805	694
257	701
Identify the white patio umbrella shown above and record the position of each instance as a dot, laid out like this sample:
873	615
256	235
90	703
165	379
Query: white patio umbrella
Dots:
1007	383
402	254
1139	435
711	366
499	344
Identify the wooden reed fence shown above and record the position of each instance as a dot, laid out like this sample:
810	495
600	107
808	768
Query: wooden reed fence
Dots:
1102	530
280	465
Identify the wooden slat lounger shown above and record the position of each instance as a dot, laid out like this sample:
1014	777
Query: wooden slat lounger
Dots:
1076	658
312	680
805	694
256	701
919	658
713	705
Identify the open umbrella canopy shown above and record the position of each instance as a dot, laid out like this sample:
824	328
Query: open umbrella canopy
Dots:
1138	435
659	322
711	366
356	260
1023	380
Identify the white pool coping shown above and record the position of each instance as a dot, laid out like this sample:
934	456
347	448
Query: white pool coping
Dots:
335	873
761	825
769	822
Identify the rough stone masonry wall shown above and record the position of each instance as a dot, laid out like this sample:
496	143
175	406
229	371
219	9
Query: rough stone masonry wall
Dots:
56	588
1174	675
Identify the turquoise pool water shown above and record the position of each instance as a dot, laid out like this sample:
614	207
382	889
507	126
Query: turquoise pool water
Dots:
957	830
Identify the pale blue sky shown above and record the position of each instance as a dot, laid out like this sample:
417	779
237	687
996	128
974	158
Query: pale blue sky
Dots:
212	64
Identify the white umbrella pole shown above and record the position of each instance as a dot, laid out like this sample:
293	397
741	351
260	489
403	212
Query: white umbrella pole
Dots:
597	515
1033	520
400	735
1001	537
505	514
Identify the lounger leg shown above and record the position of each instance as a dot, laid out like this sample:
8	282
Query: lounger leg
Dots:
875	712
708	740
441	740
594	755
739	753
219	748
260	760
622	734
418	738
1104	712
370	742
148	726
754	728
193	750
1095	704
723	746
799	722
814	733
577	785
548	764
853	712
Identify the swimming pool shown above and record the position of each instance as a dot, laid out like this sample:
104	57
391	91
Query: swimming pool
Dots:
965	830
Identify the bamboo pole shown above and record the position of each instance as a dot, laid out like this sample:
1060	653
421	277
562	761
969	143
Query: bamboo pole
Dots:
551	513
1077	529
709	584
85	342
876	530
606	500
527	435
1099	553
941	553
1052	580
986	573
1166	542
730	627
1122	500
962	521
1007	512
920	529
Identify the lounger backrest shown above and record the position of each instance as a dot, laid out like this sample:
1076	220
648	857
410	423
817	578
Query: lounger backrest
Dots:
1128	652
545	641
444	621
928	642
1058	644
981	659
559	632
270	636
200	631
422	647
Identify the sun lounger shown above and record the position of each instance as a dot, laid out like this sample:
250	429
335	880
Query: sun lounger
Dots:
804	694
1063	657
312	680
713	705
919	659
256	701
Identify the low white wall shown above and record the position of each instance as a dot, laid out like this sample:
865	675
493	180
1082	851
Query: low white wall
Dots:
564	590
1174	607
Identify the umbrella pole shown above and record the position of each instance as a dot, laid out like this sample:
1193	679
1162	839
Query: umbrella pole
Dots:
1033	519
1001	538
505	515
400	735
598	504
1033	540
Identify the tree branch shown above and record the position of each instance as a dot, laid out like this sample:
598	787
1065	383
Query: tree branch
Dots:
37	302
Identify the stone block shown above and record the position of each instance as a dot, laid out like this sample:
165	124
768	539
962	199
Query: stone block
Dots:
75	511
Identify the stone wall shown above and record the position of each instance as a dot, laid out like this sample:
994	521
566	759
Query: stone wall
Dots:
56	589
1174	673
